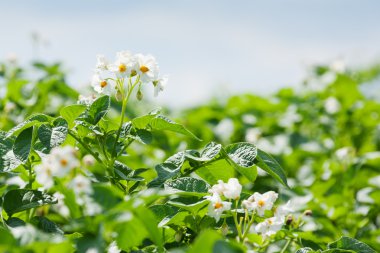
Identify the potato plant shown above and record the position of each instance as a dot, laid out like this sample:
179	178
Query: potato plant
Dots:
93	174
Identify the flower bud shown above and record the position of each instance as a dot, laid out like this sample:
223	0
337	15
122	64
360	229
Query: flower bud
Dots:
119	96
139	95
308	213
224	229
289	220
88	160
178	236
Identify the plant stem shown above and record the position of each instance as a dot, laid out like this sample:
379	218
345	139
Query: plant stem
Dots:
238	228
286	246
249	225
85	146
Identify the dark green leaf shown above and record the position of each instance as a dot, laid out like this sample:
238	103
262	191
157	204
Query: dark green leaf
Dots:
22	199
98	109
347	243
23	144
46	225
270	165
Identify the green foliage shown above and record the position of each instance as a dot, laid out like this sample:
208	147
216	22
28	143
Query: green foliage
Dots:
143	183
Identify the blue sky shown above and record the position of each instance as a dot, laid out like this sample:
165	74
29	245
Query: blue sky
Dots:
207	47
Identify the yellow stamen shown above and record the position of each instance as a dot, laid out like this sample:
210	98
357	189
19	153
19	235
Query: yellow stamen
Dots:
144	69
122	68
63	162
218	205
103	83
261	203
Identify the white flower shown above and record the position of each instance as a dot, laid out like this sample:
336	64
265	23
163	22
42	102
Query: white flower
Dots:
147	68
217	206
81	184
91	207
44	174
124	65
218	188
64	159
88	160
232	189
224	129
60	207
82	100
252	135
332	105
159	84
101	85
269	226
102	62
282	211
113	248
260	202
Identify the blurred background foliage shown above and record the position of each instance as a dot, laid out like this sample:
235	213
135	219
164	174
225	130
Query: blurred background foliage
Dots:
325	133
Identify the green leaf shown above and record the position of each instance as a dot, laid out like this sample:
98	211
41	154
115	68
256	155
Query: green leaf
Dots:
347	243
243	155
46	225
205	242
53	136
6	145
151	225
98	109
22	199
72	112
170	168
191	206
23	144
270	165
187	186
305	250
222	246
33	120
162	123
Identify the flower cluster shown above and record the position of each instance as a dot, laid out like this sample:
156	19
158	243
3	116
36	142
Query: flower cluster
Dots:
230	190
257	204
60	162
127	69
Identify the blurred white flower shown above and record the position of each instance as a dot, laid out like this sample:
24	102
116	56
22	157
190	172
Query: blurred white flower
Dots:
159	84
332	105
60	207
102	62
290	117
147	68
101	85
278	145
9	107
64	159
16	180
83	100
217	206
252	135
91	207
269	226
113	248
81	184
224	129
249	119
282	211
260	202
58	163
44	174
338	66
88	160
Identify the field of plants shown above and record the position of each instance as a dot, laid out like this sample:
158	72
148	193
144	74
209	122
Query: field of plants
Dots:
104	171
